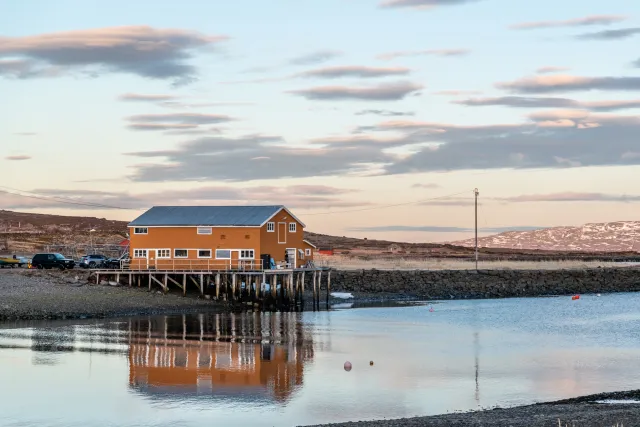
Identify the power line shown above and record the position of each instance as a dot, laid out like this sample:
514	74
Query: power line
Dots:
69	201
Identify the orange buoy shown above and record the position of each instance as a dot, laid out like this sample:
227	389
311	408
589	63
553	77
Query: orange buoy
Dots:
575	297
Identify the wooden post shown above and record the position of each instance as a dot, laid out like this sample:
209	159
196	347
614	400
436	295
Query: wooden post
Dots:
149	281
315	275
319	287
273	286
98	279
328	287
184	284
233	286
130	280
217	286
165	285
302	291
263	284
201	284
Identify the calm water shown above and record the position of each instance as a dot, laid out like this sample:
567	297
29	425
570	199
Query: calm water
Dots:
287	369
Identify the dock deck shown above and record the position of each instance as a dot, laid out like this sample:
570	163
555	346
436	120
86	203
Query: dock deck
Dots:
275	289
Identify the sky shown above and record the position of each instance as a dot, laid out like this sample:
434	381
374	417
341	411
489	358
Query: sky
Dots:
367	118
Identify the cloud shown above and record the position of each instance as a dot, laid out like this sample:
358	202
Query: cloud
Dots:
174	121
18	157
438	229
533	102
255	157
355	71
551	69
621	33
386	113
141	50
431	52
550	140
25	69
419	4
572	197
429	185
382	92
568	83
457	92
578	22
145	98
294	196
314	58
25	133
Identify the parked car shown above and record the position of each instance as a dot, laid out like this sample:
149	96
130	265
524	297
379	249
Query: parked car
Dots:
52	260
116	263
92	261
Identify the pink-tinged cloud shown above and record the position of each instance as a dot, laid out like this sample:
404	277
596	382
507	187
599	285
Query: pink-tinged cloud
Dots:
142	50
146	97
382	92
18	157
551	69
429	52
569	83
355	71
577	22
422	4
572	197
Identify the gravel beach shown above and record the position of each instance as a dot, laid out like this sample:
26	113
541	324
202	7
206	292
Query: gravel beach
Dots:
579	412
35	294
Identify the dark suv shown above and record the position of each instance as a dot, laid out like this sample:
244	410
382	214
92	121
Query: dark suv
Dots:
92	261
51	261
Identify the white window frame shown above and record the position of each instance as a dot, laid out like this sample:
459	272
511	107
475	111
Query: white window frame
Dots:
307	252
293	227
252	251
217	257
204	231
158	256
135	230
271	227
175	255
141	254
204	257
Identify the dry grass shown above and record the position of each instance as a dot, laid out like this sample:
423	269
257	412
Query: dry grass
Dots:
342	262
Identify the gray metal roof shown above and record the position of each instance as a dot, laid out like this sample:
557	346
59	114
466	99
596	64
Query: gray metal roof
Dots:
230	216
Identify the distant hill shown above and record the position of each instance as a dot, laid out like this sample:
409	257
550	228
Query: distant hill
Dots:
27	233
619	236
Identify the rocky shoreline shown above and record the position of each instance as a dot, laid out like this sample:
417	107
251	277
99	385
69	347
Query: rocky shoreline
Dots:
51	294
472	284
579	412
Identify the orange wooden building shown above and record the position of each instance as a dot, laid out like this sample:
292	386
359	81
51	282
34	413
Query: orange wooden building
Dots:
218	238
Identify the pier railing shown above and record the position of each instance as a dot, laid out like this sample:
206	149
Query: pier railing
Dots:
197	265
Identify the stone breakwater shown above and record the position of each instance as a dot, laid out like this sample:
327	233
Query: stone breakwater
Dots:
461	284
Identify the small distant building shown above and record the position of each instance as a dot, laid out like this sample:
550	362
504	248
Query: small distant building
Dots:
217	238
395	248
325	251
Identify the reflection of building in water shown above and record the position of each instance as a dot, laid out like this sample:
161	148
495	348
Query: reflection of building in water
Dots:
221	354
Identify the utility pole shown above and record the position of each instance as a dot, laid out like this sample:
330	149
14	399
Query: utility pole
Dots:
476	193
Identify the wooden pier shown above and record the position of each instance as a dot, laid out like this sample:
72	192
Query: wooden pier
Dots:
266	289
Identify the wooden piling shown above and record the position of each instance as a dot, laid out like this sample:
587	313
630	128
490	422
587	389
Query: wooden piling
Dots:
315	291
233	286
217	286
184	285
328	287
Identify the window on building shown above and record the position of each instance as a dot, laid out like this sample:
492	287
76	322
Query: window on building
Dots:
223	254
292	227
139	253
247	254
140	230
204	253
163	253
271	227
307	252
181	253
205	230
